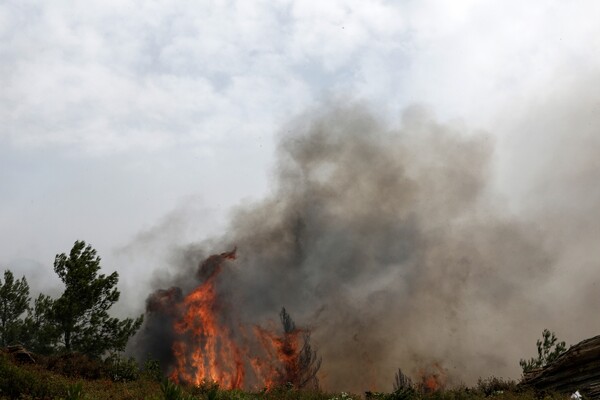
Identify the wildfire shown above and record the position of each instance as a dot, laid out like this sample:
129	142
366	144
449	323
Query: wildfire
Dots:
285	349
432	378
208	349
205	350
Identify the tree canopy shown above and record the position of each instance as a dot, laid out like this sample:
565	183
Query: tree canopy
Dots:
80	314
548	350
14	301
40	333
301	362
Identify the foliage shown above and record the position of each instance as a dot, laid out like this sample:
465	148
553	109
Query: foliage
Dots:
493	385
35	382
402	393
14	301
342	396
16	382
40	333
32	382
122	369
171	391
548	351
152	370
81	313
208	389
77	365
75	392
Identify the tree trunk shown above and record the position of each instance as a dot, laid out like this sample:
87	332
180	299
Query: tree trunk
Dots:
68	340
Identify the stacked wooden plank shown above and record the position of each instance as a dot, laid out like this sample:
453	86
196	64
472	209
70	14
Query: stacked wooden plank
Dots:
576	369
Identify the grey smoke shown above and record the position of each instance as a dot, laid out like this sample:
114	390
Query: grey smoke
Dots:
385	239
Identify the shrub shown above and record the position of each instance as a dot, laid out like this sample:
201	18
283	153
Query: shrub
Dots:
122	369
172	391
494	385
75	392
343	396
152	370
77	365
18	382
403	393
208	389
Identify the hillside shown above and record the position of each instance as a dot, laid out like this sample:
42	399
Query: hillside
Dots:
75	376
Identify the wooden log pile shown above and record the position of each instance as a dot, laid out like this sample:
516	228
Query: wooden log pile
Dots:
576	369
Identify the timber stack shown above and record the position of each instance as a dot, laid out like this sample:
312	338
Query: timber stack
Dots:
576	369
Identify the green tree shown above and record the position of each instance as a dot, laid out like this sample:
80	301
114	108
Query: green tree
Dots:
81	313
14	301
548	350
40	332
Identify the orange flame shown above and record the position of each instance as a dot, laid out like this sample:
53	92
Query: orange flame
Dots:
432	378
285	350
206	349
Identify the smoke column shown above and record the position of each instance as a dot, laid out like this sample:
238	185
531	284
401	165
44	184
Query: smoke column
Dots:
383	239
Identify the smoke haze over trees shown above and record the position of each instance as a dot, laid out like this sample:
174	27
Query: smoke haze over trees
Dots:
387	242
401	238
77	321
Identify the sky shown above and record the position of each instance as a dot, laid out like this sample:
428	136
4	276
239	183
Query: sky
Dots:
140	125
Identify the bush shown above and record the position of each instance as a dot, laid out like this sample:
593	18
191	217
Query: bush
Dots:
208	389
77	365
403	393
152	370
122	369
18	382
406	393
493	385
346	396
75	392
172	391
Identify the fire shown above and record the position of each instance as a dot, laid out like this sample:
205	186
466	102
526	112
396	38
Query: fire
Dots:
432	378
208	349
285	349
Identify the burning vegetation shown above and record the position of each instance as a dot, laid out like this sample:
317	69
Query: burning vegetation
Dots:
210	345
382	239
204	348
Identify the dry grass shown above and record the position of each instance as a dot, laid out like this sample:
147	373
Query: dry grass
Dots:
37	382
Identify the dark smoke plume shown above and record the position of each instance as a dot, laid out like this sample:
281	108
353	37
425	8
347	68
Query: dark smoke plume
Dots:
383	240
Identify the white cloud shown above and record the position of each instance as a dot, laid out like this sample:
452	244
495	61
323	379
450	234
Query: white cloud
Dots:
112	111
102	77
498	50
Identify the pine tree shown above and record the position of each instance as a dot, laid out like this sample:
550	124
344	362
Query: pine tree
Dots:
14	301
81	313
41	333
545	352
301	364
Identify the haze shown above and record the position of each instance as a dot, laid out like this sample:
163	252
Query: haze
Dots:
139	127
